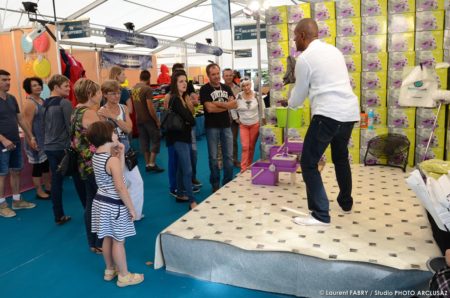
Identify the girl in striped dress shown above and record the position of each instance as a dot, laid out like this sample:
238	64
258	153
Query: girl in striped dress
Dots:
112	210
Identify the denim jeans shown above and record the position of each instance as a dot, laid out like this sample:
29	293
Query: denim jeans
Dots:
184	172
214	136
322	132
194	154
87	189
54	159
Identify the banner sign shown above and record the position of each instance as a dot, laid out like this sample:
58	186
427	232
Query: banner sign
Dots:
221	14
244	53
246	32
109	59
206	49
74	29
117	36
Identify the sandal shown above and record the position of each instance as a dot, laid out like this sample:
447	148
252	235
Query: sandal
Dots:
110	274
63	219
130	279
96	250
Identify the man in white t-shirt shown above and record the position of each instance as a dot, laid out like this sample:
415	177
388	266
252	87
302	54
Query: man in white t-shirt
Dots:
321	73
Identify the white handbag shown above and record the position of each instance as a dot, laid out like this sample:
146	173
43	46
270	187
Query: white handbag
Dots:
418	87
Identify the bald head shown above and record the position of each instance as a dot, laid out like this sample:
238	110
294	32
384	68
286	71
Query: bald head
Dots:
309	27
305	32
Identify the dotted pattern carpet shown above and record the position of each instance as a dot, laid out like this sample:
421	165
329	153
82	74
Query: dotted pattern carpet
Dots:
387	226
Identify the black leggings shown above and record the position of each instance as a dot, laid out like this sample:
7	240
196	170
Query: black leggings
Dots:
40	168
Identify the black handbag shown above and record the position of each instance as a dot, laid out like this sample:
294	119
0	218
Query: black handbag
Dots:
131	159
172	121
69	164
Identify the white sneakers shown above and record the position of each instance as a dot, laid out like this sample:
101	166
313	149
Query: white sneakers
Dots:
309	221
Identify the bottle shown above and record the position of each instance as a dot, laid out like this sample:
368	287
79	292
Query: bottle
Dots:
364	120
371	119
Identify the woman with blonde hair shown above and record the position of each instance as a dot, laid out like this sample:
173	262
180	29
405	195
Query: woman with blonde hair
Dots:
88	95
117	73
247	115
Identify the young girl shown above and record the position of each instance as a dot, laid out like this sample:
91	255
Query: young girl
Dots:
112	210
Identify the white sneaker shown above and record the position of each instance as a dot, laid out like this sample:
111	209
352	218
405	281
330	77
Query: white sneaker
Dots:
346	212
309	221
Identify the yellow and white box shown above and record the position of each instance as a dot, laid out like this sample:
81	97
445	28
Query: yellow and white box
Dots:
401	42
446	39
401	6
276	15
373	80
401	23
271	135
429	58
349	45
429	40
374	25
271	116
392	98
279	95
442	78
399	60
354	138
348	9
278	49
353	62
355	80
348	27
367	135
297	12
297	133
324	11
353	155
425	118
401	117
277	33
375	61
329	40
423	5
430	20
373	8
373	98
327	28
432	153
373	43
423	136
395	79
277	66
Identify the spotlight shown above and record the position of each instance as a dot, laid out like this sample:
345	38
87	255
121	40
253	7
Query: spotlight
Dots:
129	26
254	5
208	41
30	7
38	31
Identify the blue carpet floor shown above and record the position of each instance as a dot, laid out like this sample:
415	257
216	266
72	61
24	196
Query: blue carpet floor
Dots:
41	259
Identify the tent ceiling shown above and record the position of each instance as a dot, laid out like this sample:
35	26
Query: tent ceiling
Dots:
165	19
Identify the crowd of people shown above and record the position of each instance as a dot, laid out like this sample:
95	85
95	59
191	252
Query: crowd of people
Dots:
98	129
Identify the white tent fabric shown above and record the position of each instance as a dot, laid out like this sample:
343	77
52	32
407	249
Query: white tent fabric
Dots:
173	20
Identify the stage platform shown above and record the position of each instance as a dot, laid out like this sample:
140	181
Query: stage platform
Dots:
243	235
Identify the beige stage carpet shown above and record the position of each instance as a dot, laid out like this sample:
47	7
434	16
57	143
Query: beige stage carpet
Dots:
388	226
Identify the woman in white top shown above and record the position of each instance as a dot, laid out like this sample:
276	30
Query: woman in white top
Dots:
247	115
119	115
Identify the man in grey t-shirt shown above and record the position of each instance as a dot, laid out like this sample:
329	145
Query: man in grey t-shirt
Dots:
11	160
57	112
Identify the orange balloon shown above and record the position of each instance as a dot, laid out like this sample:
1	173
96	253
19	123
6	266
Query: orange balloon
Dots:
27	69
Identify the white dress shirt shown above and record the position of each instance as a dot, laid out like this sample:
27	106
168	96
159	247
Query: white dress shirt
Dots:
321	71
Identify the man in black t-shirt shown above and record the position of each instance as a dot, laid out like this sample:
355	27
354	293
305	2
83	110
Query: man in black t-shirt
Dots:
217	100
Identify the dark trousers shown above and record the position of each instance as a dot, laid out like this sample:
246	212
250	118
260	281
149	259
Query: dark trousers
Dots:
86	190
54	159
322	132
